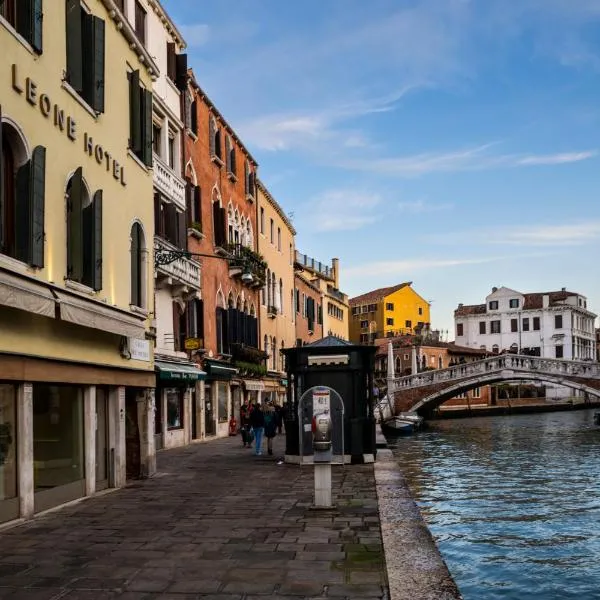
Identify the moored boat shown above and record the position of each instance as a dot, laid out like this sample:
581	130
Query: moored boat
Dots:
402	424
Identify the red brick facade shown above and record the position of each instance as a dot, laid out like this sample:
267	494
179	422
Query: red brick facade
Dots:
309	318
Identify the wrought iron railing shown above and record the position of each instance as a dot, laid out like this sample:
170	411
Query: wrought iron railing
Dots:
245	258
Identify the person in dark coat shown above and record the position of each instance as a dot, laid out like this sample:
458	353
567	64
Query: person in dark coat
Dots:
257	421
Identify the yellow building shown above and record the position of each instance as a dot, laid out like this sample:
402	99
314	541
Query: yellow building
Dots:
334	310
76	273
388	312
277	316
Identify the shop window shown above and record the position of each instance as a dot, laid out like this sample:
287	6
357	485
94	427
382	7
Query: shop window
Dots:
22	198
84	233
26	17
175	408
57	436
85	54
140	119
223	401
8	445
138	266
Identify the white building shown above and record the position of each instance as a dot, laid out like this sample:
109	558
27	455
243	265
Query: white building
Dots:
546	324
177	278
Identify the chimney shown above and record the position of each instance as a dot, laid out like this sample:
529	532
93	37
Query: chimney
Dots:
335	267
545	301
563	289
494	289
460	305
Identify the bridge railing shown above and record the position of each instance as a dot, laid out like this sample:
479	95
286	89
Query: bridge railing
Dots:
513	362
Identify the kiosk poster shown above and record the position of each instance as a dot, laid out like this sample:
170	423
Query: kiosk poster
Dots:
321	400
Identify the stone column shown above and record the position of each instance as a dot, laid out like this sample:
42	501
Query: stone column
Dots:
25	449
116	437
145	413
90	423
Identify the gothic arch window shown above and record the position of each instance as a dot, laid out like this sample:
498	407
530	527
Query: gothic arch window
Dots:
219	220
280	296
268	288
84	233
22	196
249	236
215	140
275	351
440	363
138	266
230	301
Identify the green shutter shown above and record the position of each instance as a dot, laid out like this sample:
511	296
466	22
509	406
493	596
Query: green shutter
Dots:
135	111
181	67
97	241
147	128
37	25
197	205
75	227
135	265
23	213
37	198
74	45
98	65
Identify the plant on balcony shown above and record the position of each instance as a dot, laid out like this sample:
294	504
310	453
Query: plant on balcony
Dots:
251	369
245	258
196	226
247	354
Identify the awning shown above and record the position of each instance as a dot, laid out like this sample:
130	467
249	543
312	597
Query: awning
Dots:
168	371
219	371
271	385
253	385
26	294
94	315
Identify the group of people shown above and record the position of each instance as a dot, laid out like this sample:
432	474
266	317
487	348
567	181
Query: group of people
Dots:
257	421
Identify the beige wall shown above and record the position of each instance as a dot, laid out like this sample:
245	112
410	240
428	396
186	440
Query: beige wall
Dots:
280	262
122	204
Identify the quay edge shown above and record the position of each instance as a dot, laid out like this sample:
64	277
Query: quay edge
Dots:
415	567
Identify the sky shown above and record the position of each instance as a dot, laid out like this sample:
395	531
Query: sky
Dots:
451	143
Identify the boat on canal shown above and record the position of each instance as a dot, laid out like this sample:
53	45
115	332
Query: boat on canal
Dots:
402	424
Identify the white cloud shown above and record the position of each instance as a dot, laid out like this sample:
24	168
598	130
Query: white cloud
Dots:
556	159
343	210
420	207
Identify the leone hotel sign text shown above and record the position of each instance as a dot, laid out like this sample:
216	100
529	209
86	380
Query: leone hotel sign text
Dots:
66	123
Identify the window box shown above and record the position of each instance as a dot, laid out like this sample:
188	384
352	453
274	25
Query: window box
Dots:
195	232
216	160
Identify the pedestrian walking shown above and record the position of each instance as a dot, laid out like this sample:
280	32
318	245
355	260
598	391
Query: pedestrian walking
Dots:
245	423
270	426
257	420
279	418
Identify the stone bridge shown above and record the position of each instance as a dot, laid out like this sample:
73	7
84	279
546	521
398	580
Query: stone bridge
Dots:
423	392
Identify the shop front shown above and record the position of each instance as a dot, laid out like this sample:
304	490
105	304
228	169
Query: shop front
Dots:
9	497
175	410
218	397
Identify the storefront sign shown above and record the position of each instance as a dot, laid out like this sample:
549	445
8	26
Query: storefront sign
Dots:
66	123
193	344
139	349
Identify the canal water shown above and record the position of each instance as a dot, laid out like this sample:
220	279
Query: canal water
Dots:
513	502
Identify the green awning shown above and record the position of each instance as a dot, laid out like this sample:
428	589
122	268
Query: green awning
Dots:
174	372
219	371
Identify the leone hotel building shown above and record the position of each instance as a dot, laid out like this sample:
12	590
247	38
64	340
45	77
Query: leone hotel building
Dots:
76	219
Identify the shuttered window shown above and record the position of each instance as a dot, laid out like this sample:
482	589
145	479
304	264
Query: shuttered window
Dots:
137	265
84	233
171	62
85	54
140	119
26	16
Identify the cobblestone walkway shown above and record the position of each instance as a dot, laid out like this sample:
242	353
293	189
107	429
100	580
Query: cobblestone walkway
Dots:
215	523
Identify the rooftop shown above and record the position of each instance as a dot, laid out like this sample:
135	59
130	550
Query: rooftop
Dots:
378	294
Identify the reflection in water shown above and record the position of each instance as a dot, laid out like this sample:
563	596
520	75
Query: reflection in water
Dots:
513	502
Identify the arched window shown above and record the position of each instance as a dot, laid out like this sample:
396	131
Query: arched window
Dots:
440	363
280	298
275	351
266	344
215	140
268	288
138	266
84	233
21	198
219	220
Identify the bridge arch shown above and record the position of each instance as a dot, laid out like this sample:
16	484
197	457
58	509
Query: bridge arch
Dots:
430	400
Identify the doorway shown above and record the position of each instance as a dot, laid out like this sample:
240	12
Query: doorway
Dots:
195	431
210	427
101	438
132	435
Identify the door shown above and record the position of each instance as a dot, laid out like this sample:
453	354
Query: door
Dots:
209	415
101	438
132	435
194	415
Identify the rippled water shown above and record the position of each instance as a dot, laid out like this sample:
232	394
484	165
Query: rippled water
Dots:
513	502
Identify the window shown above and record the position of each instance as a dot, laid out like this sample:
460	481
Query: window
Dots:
140	22
372	307
249	178
26	19
389	306
170	223
272	231
138	265
477	392
120	5
84	233
140	119
22	198
262	220
513	303
536	323
171	147
230	158
558	321
214	134
195	314
559	353
193	197
459	329
495	327
279	239
389	321
171	62
408	324
156	139
175	408
514	325
525	324
493	305
482	328
364	338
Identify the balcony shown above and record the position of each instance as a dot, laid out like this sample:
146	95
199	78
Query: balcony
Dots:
168	183
183	271
306	262
243	260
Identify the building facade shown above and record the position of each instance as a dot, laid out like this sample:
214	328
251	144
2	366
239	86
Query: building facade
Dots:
309	311
277	315
335	311
550	324
388	312
76	365
221	175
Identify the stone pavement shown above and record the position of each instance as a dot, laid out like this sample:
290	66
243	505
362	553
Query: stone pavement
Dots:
217	523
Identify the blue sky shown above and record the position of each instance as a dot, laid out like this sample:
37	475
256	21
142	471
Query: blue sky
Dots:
452	143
